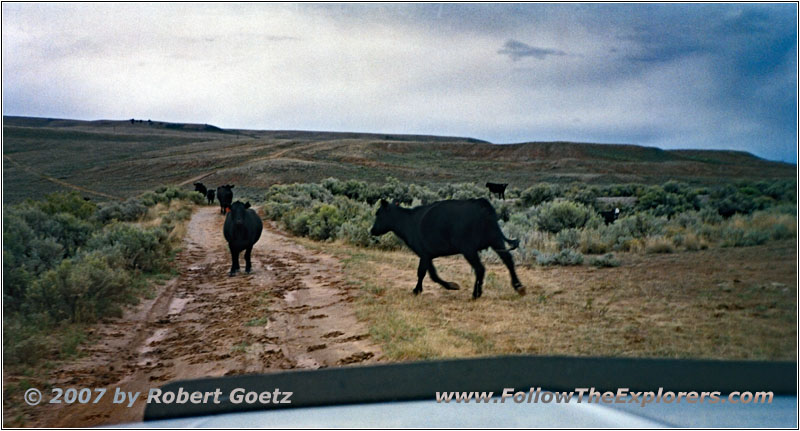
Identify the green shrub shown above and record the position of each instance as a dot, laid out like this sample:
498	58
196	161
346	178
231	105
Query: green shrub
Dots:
173	216
539	194
582	194
739	237
324	221
780	231
462	191
659	244
423	194
558	215
605	261
131	210
70	203
23	342
296	221
667	201
637	226
28	248
356	233
83	289
592	242
140	249
568	238
565	257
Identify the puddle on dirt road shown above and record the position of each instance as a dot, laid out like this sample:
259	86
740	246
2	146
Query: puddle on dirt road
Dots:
147	347
177	304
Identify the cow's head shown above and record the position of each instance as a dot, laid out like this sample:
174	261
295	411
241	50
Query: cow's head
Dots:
238	211
384	218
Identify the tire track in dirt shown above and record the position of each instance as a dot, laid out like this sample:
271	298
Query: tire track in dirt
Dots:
293	311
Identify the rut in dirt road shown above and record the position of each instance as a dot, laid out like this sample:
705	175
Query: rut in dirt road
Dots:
293	311
281	316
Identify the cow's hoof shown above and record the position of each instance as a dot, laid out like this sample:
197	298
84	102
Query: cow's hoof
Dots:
521	290
452	286
247	271
231	274
416	292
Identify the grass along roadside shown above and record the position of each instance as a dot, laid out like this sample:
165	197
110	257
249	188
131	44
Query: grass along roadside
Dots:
724	303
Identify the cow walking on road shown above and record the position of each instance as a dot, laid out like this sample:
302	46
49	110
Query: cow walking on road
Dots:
210	196
447	228
199	187
242	230
225	197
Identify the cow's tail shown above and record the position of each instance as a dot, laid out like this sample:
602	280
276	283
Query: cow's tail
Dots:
514	243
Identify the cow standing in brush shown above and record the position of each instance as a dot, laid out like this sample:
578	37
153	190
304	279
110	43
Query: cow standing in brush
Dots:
199	187
242	230
610	216
447	228
498	189
225	197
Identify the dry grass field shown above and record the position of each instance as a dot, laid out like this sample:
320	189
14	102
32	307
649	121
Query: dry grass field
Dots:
731	303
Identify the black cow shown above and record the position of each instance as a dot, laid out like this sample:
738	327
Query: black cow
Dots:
446	228
199	187
498	189
225	197
610	216
242	230
210	196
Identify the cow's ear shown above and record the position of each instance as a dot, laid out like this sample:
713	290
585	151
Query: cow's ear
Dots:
247	204
231	185
384	203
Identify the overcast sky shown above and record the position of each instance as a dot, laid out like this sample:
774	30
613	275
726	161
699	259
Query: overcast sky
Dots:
719	76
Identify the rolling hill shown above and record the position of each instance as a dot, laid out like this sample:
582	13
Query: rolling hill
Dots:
124	158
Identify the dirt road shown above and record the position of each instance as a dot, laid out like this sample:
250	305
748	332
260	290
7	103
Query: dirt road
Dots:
293	311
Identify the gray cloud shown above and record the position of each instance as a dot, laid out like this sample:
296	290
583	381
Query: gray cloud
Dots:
518	50
669	75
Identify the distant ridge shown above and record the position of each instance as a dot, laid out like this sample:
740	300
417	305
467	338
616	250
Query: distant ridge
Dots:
630	152
120	158
18	121
529	149
11	120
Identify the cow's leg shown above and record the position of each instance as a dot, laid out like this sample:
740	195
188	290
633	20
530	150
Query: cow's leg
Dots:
247	259
505	256
421	270
435	277
235	261
475	261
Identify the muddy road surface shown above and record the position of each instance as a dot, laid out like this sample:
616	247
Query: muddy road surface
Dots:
293	311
